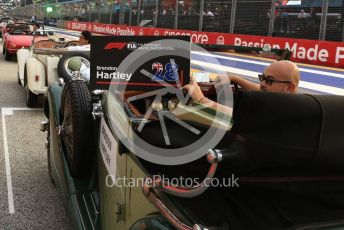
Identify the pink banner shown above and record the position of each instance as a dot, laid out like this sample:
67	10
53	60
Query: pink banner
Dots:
305	51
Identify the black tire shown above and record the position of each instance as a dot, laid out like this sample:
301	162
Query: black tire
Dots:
25	76
48	156
46	107
31	98
7	56
77	123
61	69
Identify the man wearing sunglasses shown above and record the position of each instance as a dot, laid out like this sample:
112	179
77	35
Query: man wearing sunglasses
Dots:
281	76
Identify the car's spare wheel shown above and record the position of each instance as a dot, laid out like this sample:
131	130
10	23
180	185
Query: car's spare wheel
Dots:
66	73
76	133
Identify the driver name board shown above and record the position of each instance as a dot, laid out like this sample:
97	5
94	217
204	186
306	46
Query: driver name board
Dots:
141	63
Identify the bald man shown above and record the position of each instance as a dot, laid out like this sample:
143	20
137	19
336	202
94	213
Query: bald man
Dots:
281	76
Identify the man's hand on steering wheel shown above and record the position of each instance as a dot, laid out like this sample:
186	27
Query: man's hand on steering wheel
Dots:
194	90
225	81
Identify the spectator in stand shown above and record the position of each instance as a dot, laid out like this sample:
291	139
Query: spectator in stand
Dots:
33	19
209	13
83	11
303	23
284	21
154	12
268	14
217	12
275	15
302	14
312	15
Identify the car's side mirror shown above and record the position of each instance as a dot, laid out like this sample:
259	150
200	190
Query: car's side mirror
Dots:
74	64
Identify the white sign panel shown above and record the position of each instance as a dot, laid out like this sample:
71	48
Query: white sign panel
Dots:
108	148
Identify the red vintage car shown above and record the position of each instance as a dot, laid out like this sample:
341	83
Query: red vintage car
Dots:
18	36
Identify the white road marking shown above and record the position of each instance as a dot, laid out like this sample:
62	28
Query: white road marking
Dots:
7	165
8	112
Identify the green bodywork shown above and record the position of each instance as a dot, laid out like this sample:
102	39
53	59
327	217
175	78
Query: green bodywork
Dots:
89	202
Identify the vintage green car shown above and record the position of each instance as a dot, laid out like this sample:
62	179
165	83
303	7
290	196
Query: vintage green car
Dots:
281	157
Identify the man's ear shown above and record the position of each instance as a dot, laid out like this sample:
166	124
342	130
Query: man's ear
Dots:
292	87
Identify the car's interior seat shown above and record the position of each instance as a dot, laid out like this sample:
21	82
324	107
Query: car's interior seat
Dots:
287	130
50	44
287	151
272	131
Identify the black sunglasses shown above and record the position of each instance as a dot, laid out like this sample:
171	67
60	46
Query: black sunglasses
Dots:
269	79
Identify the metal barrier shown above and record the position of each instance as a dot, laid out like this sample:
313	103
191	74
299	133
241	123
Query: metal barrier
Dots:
312	19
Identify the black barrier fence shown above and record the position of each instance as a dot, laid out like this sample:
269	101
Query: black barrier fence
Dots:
308	19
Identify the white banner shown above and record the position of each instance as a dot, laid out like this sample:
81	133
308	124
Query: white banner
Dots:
108	148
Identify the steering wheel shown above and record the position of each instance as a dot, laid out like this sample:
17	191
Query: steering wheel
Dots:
208	88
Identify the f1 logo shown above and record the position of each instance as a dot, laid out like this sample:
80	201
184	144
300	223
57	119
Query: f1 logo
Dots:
115	45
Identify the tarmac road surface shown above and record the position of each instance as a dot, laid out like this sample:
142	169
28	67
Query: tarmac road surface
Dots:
28	199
